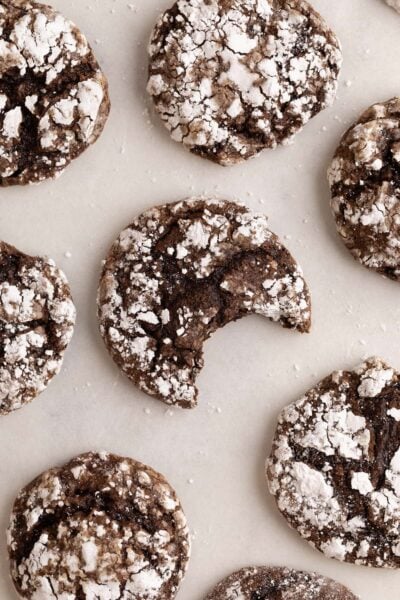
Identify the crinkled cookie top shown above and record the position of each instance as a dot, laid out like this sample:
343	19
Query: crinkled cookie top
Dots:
101	527
232	77
364	177
335	465
273	583
37	318
53	96
179	273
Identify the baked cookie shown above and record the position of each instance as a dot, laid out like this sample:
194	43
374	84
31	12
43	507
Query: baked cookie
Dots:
273	583
53	95
230	78
100	527
365	183
335	465
37	318
394	4
179	273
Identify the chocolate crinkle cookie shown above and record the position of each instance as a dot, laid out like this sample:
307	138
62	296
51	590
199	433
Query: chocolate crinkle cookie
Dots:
99	528
365	183
53	95
179	273
335	465
274	583
232	77
37	318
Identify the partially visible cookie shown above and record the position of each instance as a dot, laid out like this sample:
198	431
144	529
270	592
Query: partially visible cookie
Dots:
232	78
365	183
100	527
53	95
335	465
273	583
394	4
37	318
179	273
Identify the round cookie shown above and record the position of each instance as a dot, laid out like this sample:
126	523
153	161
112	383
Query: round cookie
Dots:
365	183
232	77
37	318
179	273
100	527
53	95
335	465
394	4
274	583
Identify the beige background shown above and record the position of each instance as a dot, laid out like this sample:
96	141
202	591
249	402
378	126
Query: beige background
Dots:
213	455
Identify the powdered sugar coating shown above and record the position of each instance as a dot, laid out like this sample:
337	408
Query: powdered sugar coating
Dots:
37	318
273	583
180	272
101	527
335	465
365	183
230	78
53	96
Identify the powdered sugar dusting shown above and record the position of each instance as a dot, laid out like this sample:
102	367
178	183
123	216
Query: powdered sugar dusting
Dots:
254	582
68	112
231	79
335	465
37	318
180	272
130	541
363	177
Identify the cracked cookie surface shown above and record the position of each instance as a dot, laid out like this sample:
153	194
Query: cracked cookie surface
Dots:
101	527
179	273
274	583
364	177
53	95
37	318
335	465
232	77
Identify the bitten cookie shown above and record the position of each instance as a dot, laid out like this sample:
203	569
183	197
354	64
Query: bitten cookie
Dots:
273	583
335	465
232	78
100	527
53	95
365	183
37	318
180	272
